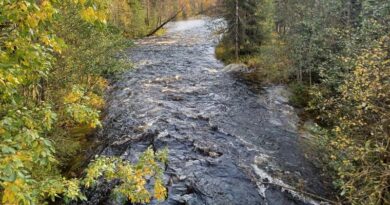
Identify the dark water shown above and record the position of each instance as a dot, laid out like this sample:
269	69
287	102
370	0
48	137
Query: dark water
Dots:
229	142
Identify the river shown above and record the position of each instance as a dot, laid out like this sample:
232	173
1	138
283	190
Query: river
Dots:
230	142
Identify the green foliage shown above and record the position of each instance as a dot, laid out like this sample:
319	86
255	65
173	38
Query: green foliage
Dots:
139	17
27	54
337	56
299	95
260	47
270	63
341	50
255	25
133	177
357	145
225	53
53	57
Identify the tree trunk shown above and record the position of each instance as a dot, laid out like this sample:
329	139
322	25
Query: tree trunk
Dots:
147	12
165	22
237	45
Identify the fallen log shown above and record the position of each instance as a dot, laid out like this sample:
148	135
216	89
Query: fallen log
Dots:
165	22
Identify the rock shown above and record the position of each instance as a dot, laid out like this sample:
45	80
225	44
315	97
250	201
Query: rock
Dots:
236	68
214	154
175	98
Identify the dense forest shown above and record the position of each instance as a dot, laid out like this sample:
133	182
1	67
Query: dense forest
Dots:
335	56
56	58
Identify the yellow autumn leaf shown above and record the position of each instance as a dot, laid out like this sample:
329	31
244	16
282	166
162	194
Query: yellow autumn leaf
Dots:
10	78
45	40
23	6
2	130
101	16
32	21
72	97
88	14
160	192
9	197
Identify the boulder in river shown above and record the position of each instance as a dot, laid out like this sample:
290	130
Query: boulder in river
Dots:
236	68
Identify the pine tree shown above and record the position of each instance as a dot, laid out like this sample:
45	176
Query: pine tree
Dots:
250	24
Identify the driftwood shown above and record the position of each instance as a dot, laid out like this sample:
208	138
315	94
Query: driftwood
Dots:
165	22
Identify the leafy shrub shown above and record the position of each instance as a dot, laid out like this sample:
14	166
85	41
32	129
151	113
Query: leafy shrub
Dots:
269	61
53	57
358	142
224	53
133	178
300	95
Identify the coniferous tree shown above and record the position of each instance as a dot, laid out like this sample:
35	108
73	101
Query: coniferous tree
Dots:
248	24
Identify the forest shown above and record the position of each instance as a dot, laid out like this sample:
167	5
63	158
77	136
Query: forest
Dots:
335	56
58	60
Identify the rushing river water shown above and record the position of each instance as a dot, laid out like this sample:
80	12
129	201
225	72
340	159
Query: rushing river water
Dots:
229	142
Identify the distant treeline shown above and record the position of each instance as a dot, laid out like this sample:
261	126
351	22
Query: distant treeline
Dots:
138	17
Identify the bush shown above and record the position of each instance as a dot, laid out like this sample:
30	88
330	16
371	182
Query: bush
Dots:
225	53
299	95
269	62
54	56
357	147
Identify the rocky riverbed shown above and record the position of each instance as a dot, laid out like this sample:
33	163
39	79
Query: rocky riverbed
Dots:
230	142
